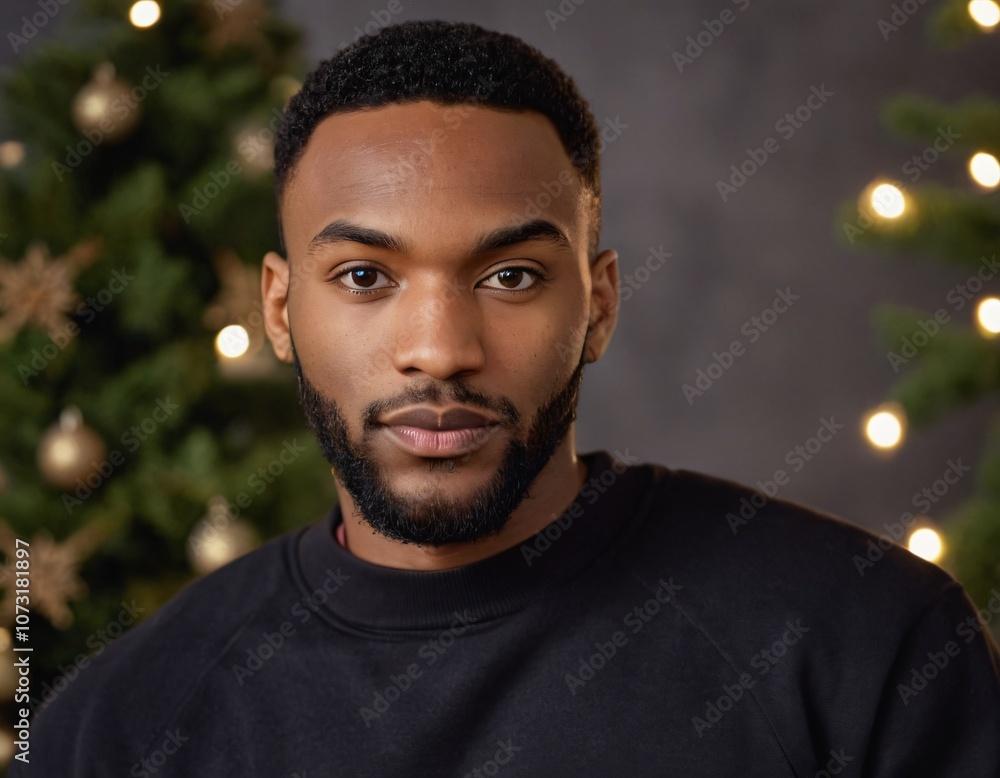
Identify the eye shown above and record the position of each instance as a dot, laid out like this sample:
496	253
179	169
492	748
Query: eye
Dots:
360	279
516	279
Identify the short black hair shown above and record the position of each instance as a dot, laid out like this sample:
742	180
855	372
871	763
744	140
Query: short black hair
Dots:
449	63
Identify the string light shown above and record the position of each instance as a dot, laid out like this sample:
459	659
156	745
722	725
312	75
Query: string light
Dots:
887	200
232	342
926	544
985	170
985	13
144	13
884	426
988	316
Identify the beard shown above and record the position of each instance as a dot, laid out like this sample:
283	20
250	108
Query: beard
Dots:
440	520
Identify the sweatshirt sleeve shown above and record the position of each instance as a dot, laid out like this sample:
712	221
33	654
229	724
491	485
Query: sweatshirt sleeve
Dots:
939	713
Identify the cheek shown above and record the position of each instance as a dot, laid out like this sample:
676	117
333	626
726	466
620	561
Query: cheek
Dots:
534	356
337	355
548	329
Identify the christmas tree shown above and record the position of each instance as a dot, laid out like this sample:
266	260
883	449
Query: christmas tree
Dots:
948	358
147	432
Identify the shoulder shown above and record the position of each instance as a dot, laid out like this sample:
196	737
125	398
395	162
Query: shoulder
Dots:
829	626
745	549
127	690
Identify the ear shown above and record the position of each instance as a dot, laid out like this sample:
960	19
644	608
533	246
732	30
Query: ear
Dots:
274	291
603	303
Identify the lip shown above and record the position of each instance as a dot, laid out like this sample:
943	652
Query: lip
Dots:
430	431
440	443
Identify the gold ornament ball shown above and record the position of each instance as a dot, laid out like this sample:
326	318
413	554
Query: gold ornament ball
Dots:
219	538
69	451
105	106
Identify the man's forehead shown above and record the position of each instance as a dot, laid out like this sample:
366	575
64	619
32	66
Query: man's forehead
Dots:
422	147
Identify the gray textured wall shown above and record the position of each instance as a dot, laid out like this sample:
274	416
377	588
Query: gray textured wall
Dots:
820	359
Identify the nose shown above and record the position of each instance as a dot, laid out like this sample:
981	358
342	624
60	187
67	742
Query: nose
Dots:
438	332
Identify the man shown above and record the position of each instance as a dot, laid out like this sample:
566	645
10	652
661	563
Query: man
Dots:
483	600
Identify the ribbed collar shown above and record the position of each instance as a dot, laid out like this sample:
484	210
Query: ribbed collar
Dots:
384	598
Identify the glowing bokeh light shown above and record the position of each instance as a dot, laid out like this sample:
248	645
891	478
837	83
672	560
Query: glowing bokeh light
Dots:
144	13
232	342
926	544
884	428
988	316
985	170
888	201
985	13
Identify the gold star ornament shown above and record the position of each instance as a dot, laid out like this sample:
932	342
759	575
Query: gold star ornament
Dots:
54	572
38	290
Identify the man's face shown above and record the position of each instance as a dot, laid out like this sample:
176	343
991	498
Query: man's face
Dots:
438	295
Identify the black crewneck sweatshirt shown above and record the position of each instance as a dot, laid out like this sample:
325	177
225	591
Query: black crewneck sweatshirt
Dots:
647	631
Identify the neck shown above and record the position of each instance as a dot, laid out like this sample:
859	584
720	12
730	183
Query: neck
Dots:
556	486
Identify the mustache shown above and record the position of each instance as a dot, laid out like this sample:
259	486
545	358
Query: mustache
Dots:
431	392
440	394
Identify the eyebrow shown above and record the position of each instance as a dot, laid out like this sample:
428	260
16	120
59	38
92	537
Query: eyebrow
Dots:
341	231
536	229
